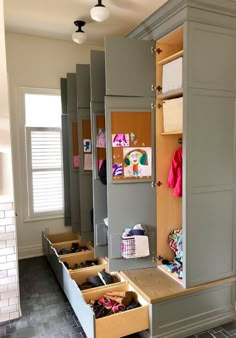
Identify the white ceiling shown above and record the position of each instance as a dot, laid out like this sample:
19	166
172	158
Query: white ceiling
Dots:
55	18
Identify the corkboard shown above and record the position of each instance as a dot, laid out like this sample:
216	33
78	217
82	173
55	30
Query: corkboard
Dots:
131	137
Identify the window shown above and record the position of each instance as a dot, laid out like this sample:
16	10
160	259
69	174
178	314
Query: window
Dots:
43	153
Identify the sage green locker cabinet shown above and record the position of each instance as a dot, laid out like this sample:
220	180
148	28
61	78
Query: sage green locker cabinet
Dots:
65	151
130	71
73	152
85	154
97	110
208	202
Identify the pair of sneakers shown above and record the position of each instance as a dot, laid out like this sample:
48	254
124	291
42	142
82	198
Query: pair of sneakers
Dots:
103	278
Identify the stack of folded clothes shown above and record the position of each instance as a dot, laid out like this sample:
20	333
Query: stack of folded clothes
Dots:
81	265
102	278
114	302
75	247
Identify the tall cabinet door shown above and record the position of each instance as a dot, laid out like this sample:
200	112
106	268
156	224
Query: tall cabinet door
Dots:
73	152
85	150
97	111
65	152
209	154
130	73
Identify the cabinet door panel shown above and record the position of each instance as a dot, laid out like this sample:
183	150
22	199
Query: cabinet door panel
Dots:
97	75
129	67
211	56
71	92
66	169
209	180
83	85
129	203
63	85
85	176
99	189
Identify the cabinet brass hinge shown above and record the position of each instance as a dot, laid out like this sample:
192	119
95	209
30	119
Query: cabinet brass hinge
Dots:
156	50
154	87
153	105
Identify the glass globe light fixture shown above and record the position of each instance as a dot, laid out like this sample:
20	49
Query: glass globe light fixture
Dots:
99	12
79	36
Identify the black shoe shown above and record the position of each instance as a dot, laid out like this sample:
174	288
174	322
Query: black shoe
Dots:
63	251
95	281
105	277
74	247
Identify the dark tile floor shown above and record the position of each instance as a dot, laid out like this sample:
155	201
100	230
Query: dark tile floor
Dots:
46	312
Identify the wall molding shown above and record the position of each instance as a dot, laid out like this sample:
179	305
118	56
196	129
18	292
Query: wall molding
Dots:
30	251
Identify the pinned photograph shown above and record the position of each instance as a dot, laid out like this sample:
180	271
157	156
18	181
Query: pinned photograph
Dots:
87	146
120	140
137	162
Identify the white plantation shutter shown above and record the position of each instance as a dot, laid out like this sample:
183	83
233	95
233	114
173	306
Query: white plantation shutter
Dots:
44	162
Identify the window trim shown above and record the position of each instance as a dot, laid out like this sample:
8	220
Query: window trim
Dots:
27	200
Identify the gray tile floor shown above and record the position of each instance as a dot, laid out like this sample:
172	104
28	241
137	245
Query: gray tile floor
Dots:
46	312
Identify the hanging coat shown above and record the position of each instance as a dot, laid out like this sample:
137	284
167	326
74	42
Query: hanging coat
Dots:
175	173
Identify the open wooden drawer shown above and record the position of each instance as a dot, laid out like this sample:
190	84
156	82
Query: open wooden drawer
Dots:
68	245
115	325
63	237
81	276
79	259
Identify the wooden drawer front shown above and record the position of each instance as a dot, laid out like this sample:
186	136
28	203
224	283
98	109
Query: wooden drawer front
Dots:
63	237
67	245
120	324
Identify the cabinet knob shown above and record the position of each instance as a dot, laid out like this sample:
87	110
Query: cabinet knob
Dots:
156	184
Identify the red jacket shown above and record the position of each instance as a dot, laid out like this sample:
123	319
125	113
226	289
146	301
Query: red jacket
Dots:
175	173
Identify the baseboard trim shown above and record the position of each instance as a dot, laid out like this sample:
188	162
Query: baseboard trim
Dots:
30	251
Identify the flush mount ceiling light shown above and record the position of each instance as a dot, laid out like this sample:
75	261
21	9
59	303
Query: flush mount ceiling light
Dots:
99	13
79	36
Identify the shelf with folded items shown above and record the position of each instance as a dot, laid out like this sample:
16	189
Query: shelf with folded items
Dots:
171	57
170	94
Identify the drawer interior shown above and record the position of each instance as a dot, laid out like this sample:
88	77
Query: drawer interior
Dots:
84	246
81	278
63	237
122	323
79	261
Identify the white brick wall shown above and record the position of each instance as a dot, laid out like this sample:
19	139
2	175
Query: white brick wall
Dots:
9	295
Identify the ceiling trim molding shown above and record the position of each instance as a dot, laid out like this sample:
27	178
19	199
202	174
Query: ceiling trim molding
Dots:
175	13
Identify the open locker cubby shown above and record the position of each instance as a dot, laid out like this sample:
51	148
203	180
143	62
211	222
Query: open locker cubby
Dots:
169	215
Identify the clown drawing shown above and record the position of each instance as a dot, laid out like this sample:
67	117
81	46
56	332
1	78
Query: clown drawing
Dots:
136	162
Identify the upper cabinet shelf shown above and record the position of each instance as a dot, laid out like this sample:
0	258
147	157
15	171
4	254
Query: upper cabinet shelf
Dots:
170	94
171	57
